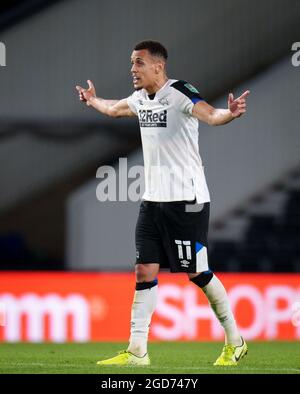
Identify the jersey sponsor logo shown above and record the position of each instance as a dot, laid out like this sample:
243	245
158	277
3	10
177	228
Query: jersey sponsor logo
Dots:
148	118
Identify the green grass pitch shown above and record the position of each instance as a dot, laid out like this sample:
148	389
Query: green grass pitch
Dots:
166	358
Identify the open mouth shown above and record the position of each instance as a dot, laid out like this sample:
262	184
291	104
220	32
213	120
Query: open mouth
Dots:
135	79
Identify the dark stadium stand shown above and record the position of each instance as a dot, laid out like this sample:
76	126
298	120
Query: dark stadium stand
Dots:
16	255
271	243
13	11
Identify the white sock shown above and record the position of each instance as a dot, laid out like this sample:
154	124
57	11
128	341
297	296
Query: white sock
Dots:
143	306
218	299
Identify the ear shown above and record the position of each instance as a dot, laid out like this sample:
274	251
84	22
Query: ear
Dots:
159	67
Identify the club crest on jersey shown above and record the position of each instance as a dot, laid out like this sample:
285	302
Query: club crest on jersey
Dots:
163	101
149	118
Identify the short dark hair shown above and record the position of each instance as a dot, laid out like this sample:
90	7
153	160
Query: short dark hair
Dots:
154	47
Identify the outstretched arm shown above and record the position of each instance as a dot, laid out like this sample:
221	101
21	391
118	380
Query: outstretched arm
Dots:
215	116
113	108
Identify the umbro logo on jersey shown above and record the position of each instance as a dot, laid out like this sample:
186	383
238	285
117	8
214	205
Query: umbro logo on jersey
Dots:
148	118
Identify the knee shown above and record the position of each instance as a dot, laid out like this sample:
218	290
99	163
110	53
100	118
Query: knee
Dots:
144	273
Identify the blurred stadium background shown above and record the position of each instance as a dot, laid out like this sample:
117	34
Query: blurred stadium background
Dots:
66	259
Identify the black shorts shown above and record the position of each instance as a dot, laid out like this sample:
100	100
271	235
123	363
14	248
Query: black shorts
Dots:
173	234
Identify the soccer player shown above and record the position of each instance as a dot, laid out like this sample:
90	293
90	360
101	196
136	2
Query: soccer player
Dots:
172	226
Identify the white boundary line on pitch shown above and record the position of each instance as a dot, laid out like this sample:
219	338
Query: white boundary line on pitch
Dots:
235	368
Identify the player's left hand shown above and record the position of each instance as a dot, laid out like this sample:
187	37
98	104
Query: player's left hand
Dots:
237	106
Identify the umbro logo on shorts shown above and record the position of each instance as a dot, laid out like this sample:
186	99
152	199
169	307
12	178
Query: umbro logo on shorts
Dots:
185	263
148	118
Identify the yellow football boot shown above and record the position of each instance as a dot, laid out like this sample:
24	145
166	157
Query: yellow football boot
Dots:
125	359
231	354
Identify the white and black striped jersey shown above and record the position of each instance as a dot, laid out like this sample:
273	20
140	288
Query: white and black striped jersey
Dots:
169	132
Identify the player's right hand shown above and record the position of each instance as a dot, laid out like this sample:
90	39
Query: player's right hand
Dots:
86	94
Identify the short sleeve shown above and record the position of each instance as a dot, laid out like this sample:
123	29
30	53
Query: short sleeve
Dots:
189	97
131	102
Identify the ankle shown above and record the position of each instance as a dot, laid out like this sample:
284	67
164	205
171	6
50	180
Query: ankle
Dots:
139	350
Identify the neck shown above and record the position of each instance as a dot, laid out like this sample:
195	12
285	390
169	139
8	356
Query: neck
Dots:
158	84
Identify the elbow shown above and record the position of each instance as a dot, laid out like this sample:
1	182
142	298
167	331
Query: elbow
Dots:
212	118
112	113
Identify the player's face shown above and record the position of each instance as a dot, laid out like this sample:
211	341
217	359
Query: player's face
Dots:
144	69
